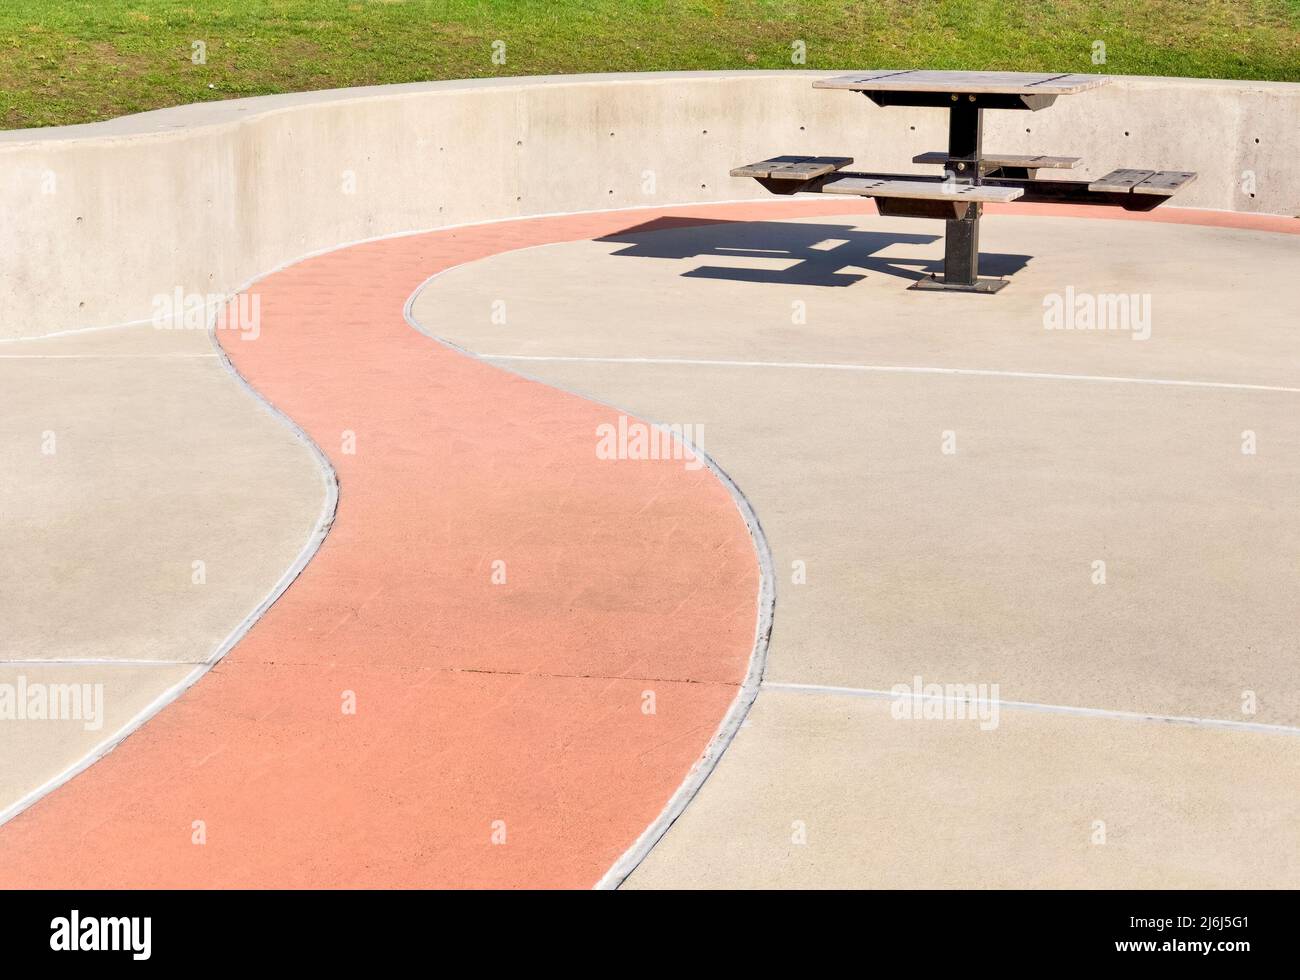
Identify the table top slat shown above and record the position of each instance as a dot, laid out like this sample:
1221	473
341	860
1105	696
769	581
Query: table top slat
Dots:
1003	160
972	82
920	190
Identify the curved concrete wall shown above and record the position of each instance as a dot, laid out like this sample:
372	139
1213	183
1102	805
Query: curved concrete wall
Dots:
100	219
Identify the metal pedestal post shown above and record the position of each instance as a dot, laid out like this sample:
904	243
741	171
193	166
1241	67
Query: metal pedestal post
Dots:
961	246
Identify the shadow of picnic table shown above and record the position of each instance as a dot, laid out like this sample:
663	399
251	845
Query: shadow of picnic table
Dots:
817	252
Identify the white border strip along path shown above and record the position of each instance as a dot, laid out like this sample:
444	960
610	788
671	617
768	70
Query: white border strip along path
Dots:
891	369
738	711
324	521
1056	709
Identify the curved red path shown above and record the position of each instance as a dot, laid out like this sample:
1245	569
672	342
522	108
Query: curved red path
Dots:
476	702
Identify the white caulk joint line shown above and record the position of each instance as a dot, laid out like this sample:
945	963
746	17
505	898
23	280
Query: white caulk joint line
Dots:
1055	709
891	369
324	522
100	662
102	357
744	699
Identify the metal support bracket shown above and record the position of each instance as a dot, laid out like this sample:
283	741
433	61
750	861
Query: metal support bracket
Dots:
961	243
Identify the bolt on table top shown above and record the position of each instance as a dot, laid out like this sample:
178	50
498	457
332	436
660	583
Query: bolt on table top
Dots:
964	82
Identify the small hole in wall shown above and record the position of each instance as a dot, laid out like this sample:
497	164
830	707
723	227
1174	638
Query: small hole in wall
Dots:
912	128
78	219
519	142
1126	132
1027	129
801	129
1256	140
706	132
81	305
704	187
611	134
611	192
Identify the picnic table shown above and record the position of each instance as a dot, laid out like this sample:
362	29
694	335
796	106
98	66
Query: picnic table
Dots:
971	178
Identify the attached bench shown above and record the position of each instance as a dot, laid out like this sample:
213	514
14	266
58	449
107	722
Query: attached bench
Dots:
921	190
958	199
921	199
1160	182
1011	165
793	168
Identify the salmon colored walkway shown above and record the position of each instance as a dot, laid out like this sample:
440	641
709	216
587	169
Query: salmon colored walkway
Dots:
510	710
482	709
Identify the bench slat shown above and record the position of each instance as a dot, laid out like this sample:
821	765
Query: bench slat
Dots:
1164	182
1161	182
919	80
793	167
1120	180
920	190
1003	160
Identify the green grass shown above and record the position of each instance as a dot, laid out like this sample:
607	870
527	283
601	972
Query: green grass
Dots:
69	62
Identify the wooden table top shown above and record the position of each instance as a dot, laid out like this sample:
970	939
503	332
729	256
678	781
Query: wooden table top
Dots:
975	82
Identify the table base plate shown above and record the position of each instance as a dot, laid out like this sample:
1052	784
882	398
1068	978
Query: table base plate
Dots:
978	286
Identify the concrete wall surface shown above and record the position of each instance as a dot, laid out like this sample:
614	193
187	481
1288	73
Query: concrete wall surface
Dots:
102	219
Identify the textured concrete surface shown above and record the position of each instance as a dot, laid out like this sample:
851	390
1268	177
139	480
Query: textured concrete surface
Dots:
832	792
125	457
159	460
479	703
35	748
727	291
215	194
974	567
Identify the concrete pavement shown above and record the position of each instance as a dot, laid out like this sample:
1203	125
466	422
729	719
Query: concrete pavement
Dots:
499	668
1088	534
938	477
150	504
